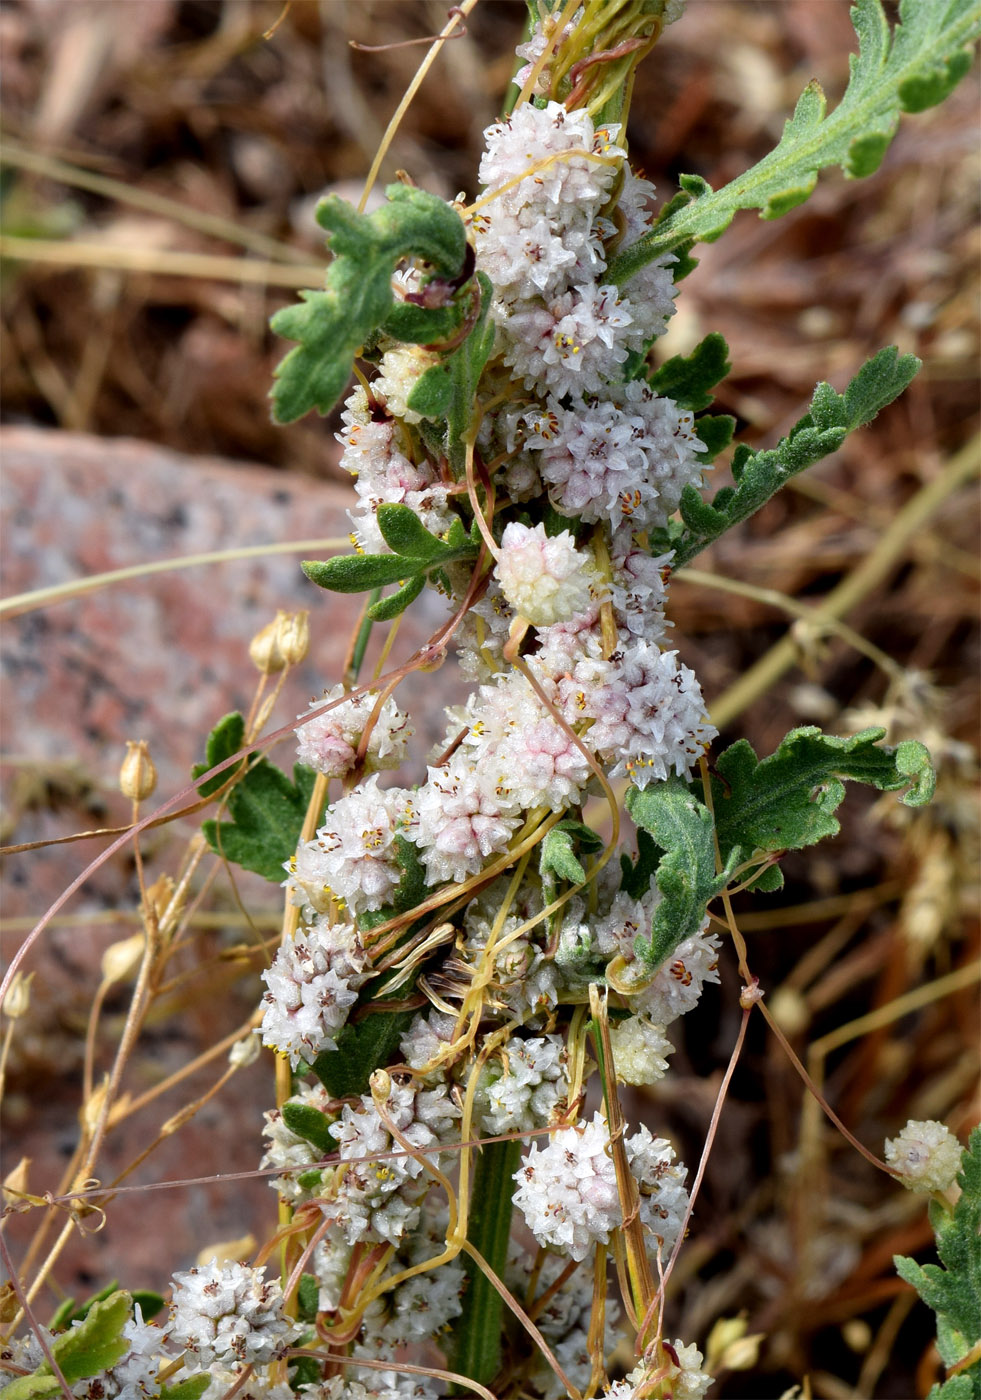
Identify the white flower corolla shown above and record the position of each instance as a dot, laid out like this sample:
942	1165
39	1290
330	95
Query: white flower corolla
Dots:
544	579
378	1187
329	741
312	984
686	1380
661	1181
398	372
134	1377
543	34
353	855
625	458
567	1190
640	1050
926	1154
639	587
230	1314
678	984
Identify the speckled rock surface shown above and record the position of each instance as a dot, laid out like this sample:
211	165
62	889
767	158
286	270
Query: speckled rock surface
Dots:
160	658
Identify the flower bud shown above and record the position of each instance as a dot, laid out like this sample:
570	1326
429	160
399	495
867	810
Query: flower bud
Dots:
925	1156
283	642
18	997
138	776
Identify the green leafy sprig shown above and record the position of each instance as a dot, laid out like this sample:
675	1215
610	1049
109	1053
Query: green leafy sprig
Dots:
762	807
953	1289
357	301
903	68
416	553
760	473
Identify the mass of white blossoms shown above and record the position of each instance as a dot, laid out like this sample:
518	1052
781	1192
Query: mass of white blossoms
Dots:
567	1190
563	635
230	1314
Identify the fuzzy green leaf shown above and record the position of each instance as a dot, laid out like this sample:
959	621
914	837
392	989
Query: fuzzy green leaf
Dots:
266	814
788	799
308	1298
558	857
761	473
36	1386
404	533
332	325
953	1290
225	739
310	1124
715	430
688	378
681	827
362	1047
88	1347
357	573
387	608
904	68
191	1389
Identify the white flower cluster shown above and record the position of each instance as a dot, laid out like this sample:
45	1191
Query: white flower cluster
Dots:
230	1314
329	741
926	1155
567	1190
312	984
565	641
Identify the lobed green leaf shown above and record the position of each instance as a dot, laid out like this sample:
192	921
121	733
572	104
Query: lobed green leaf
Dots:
266	814
681	828
908	67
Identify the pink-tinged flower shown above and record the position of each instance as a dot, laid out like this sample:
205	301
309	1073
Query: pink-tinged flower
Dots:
544	579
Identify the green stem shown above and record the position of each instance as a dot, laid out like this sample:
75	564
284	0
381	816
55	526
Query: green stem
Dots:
477	1331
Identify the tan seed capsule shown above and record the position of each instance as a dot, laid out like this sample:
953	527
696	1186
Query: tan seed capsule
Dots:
138	776
282	642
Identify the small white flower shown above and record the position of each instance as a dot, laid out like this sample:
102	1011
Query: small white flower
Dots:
926	1155
312	984
545	580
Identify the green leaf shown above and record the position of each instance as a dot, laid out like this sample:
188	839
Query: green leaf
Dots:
953	1290
332	325
432	393
357	573
681	827
304	1371
266	814
34	1387
96	1343
905	68
715	430
362	1047
788	800
148	1302
636	876
688	378
760	474
404	533
191	1389
309	1123
418	325
225	739
387	608
308	1297
476	1334
558	857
